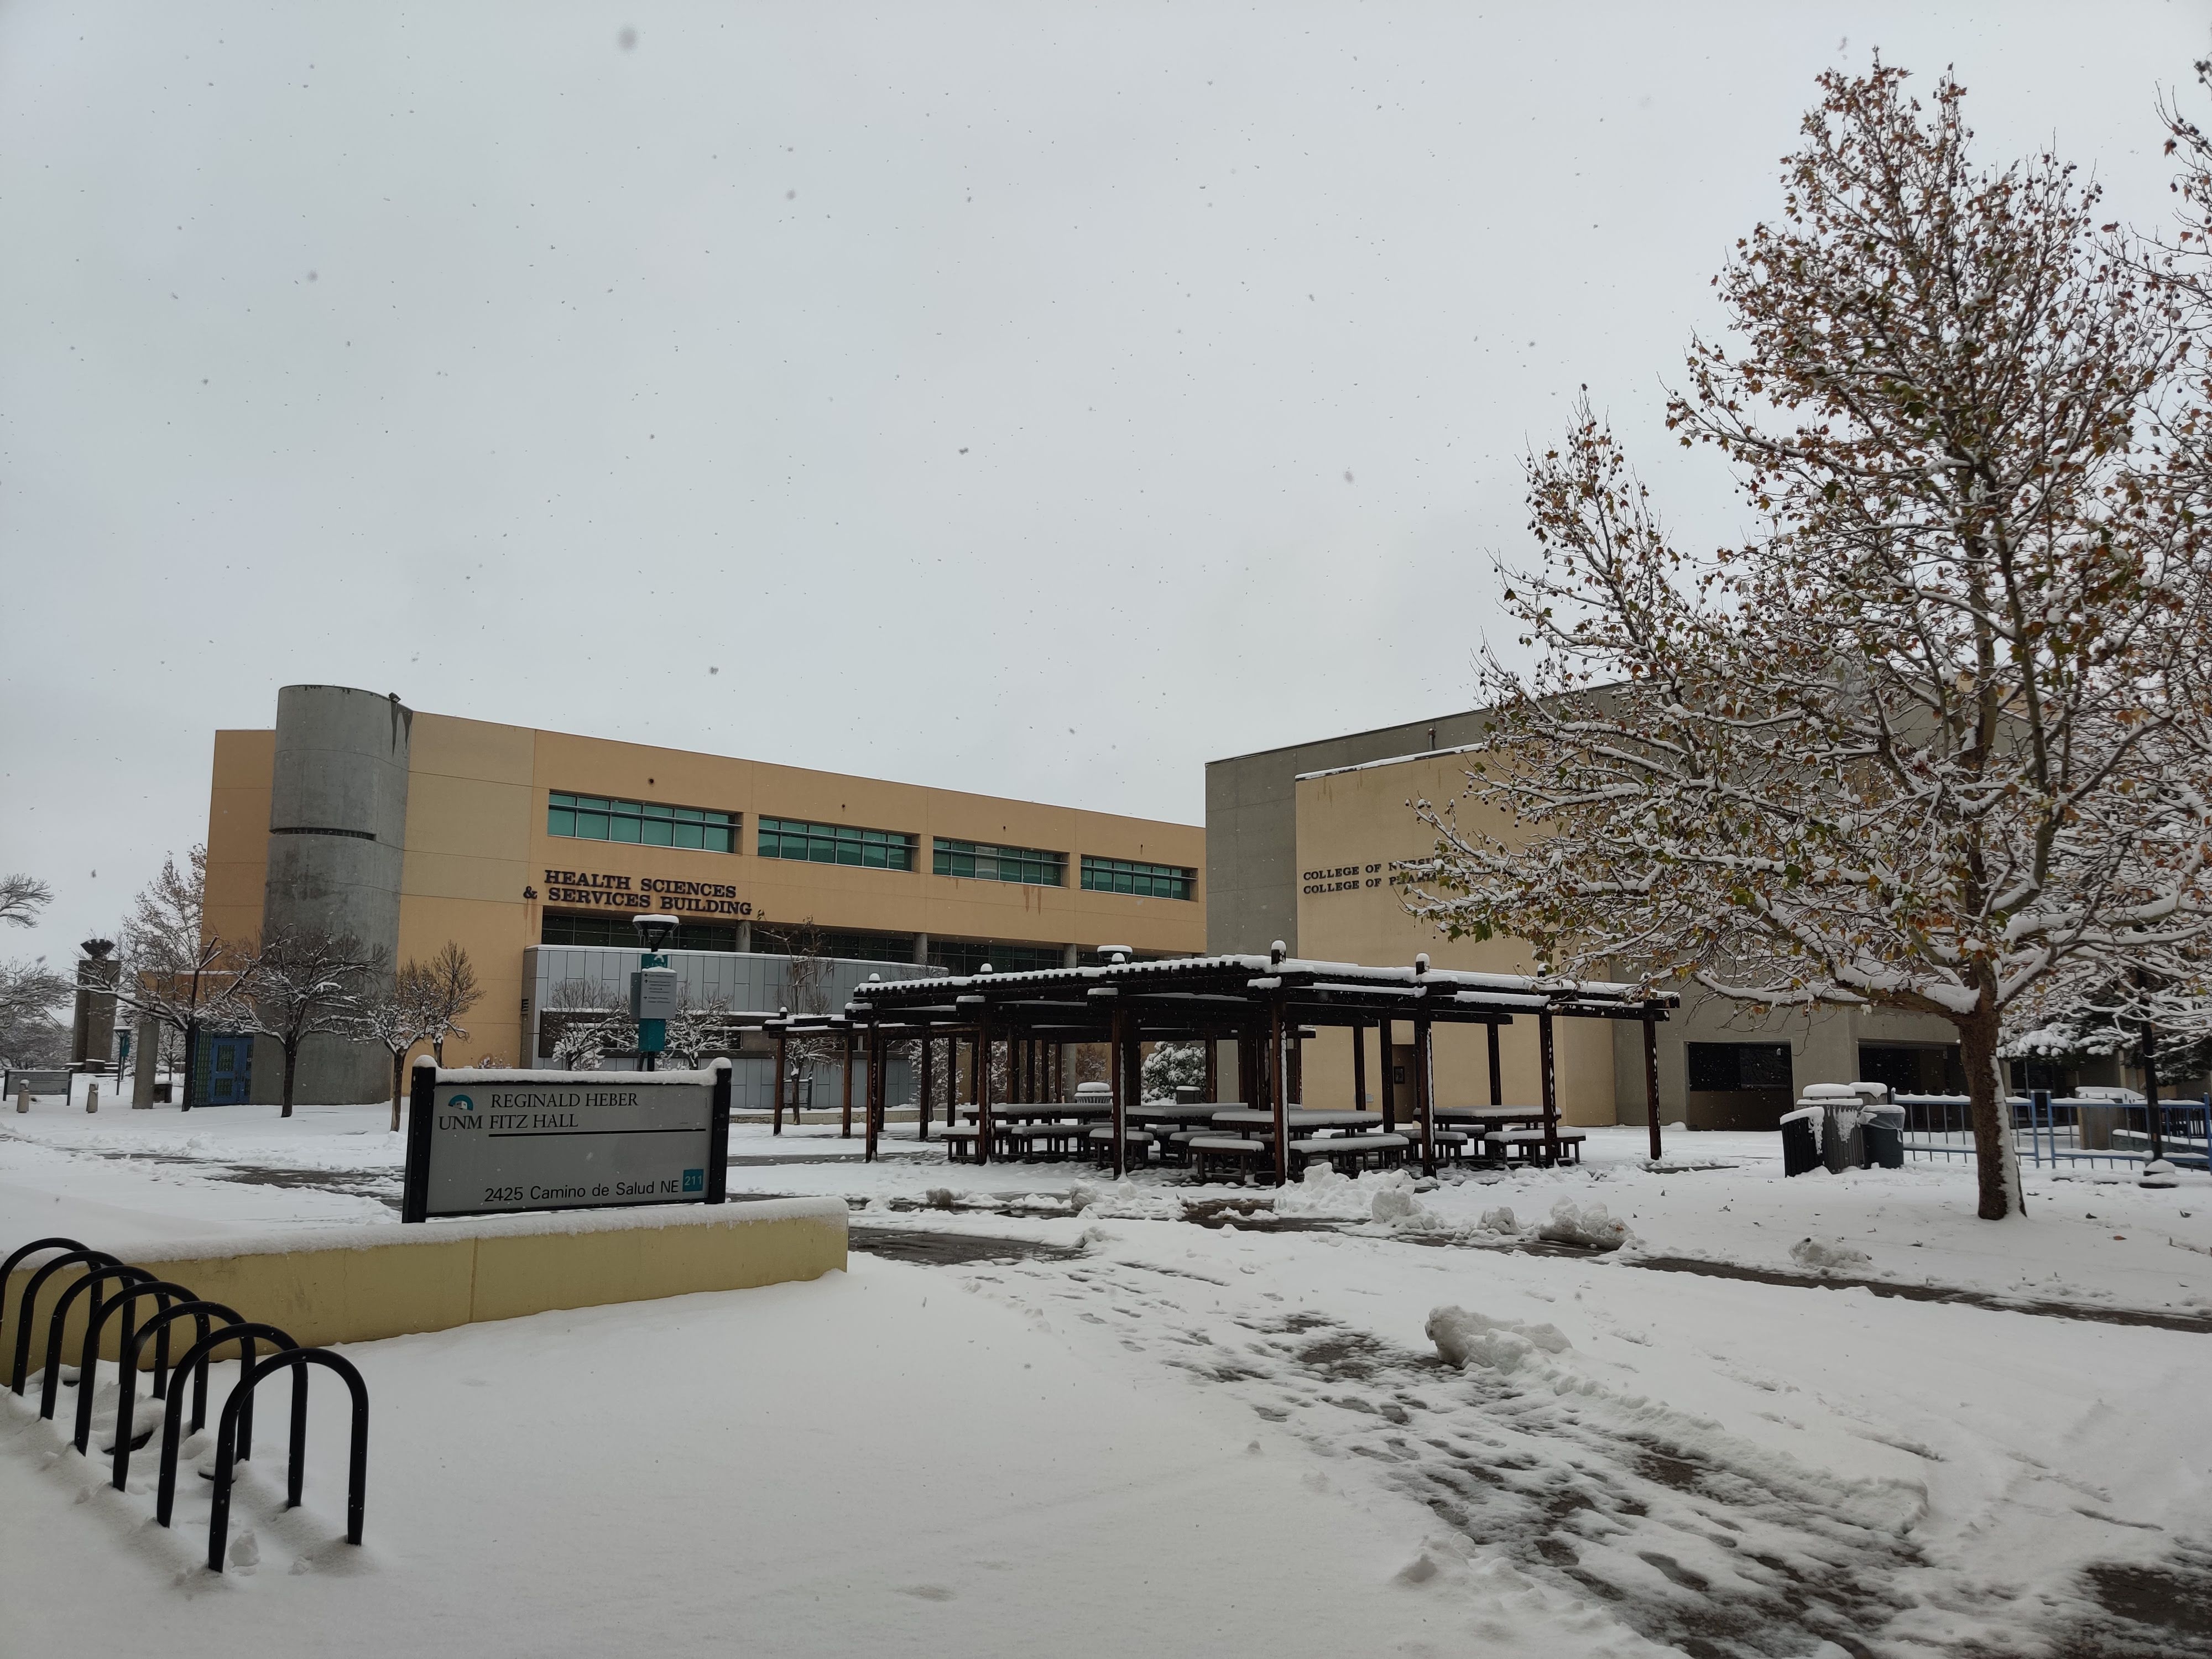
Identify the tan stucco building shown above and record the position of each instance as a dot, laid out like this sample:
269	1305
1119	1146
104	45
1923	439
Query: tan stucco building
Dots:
408	829
1301	841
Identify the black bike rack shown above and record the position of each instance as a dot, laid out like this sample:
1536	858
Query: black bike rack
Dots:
240	1405
214	1326
203	1314
26	1305
88	1356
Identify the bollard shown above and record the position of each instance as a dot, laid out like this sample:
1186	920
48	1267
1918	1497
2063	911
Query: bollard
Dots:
91	1096
22	1096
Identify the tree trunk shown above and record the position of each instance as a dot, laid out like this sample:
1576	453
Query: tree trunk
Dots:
399	1063
291	1064
1997	1160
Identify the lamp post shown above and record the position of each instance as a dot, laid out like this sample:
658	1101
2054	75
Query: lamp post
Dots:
653	988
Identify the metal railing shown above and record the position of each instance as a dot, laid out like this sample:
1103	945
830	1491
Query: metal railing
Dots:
215	1326
2057	1131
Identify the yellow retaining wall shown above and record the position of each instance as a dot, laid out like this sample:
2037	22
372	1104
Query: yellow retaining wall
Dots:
358	1284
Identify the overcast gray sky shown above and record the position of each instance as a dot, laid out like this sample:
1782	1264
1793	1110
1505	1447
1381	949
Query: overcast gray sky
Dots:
1033	399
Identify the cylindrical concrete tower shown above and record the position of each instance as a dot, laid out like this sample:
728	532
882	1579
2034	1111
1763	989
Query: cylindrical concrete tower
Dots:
338	824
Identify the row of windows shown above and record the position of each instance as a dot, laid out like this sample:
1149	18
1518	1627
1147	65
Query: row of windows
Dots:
643	823
1030	866
835	843
617	931
957	956
646	823
1147	880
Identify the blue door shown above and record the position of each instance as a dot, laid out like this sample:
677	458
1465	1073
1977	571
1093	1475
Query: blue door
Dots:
227	1073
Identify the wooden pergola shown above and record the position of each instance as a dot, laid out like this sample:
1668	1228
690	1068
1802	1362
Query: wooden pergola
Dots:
1267	1005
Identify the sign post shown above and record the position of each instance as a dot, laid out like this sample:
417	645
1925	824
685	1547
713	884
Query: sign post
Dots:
652	989
495	1142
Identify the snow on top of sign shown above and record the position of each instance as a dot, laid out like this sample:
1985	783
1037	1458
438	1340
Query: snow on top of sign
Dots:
491	1076
375	1235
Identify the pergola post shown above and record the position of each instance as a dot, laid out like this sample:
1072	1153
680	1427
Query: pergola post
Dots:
1551	1078
1389	1077
1496	1073
1424	1088
1121	1081
1294	1062
782	1070
1213	1069
928	1056
1651	1079
846	1083
1359	1066
875	1086
982	1059
1278	1097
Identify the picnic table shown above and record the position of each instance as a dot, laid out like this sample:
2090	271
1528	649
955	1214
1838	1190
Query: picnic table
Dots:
1177	1112
1043	1112
1298	1120
1492	1117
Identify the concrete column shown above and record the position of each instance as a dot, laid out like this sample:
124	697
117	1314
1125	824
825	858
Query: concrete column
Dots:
1070	956
745	937
922	950
92	1025
147	1046
338	821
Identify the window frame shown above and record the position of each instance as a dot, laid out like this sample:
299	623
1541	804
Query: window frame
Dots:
1102	874
1028	861
622	822
872	849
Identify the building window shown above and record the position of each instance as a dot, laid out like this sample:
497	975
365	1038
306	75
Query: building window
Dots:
1731	1068
640	823
979	861
1146	880
965	957
835	843
834	942
1913	1069
557	928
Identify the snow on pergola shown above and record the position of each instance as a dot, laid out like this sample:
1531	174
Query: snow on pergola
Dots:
1263	1004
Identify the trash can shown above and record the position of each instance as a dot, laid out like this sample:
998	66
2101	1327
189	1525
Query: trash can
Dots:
1801	1140
1882	1133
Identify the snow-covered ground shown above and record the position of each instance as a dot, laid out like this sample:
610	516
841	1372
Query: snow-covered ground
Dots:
1045	1412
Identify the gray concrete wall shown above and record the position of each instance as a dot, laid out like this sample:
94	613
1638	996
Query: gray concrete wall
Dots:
742	981
337	824
1252	825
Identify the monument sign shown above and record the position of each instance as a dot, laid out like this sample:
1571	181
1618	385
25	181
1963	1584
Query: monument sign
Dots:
488	1142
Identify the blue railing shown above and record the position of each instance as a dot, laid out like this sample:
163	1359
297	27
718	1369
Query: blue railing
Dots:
2054	1131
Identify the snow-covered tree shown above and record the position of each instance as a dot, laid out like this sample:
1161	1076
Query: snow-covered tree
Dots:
698	1029
30	992
1172	1065
1937	736
303	982
22	898
394	1018
175	972
590	1022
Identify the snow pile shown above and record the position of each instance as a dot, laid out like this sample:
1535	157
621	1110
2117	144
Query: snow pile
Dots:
1585	1224
1465	1339
1322	1192
1499	1220
1397	1207
1822	1257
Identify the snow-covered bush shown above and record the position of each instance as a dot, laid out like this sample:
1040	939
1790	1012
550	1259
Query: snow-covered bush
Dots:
1172	1065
